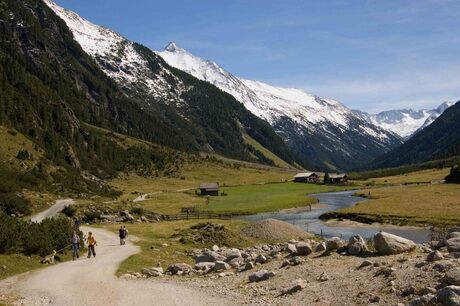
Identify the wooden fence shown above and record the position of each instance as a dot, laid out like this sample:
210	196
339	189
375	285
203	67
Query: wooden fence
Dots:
194	215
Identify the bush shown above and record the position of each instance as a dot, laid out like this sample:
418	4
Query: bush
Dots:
69	211
30	238
11	203
137	210
91	216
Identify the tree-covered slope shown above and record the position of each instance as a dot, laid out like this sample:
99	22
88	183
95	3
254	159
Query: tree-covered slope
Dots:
441	139
49	87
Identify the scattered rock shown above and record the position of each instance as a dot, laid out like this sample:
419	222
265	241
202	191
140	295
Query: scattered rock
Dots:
334	243
452	277
215	248
261	276
291	248
152	272
179	269
453	244
205	266
357	245
365	263
233	253
321	247
221	266
388	244
425	300
249	266
236	262
261	259
209	257
449	296
323	277
297	285
434	256
303	248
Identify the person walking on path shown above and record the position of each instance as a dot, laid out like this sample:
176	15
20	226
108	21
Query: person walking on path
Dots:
122	235
91	244
75	245
126	232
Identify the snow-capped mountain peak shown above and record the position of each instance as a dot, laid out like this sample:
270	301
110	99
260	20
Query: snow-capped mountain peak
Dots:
298	116
405	122
118	57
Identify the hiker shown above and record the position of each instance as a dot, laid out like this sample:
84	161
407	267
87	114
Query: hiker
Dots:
91	243
122	235
76	223
75	245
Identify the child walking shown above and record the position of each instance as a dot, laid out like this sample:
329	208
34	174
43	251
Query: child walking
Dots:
91	244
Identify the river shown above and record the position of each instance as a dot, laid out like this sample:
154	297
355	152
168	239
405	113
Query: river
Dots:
309	220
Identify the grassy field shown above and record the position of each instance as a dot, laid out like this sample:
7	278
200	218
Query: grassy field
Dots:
437	204
161	242
423	176
251	199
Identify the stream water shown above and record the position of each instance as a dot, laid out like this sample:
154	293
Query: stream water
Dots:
309	220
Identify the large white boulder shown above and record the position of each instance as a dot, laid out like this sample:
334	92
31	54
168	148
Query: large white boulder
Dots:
388	244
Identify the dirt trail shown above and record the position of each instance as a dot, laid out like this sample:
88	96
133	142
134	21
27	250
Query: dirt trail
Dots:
93	282
52	211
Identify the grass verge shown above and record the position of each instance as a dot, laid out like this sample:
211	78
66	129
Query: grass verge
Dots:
161	242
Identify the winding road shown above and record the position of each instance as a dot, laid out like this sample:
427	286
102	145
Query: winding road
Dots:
93	282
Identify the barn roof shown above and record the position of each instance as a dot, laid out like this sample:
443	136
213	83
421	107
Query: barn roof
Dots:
209	186
337	175
304	174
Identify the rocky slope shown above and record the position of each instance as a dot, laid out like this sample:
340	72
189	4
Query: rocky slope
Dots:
322	130
405	122
333	272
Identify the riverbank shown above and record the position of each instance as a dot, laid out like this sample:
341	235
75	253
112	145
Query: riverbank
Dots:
435	205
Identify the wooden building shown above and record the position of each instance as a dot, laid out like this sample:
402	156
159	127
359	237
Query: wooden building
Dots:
338	178
211	189
306	177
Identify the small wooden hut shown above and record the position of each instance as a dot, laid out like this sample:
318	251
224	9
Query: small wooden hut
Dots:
211	189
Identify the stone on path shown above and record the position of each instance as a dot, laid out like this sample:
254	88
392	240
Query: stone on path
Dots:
452	277
334	243
453	244
260	276
296	285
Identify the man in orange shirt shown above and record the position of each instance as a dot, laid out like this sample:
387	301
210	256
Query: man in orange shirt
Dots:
91	243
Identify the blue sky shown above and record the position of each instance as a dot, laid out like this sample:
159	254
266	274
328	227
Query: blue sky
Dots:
371	55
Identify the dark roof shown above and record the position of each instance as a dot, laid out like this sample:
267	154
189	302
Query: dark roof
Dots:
209	186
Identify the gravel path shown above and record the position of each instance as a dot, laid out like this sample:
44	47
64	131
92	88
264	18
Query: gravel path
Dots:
92	281
52	211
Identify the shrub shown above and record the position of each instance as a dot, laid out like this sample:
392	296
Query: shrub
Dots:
137	210
91	216
11	203
69	211
18	236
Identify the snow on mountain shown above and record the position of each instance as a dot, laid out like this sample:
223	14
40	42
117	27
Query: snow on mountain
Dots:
117	56
405	122
294	113
321	131
264	100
